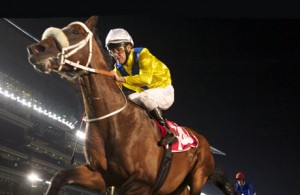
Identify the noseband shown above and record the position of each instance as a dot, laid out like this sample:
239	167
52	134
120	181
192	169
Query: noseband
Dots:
68	50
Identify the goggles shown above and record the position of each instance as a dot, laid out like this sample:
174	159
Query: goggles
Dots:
116	49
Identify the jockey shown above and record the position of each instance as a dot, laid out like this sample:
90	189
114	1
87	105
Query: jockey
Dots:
144	78
243	186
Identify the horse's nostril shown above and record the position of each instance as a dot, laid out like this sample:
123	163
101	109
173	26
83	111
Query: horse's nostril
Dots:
36	49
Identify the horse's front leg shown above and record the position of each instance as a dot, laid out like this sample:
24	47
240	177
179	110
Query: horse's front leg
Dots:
82	176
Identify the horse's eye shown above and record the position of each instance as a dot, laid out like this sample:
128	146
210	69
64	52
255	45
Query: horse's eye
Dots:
74	31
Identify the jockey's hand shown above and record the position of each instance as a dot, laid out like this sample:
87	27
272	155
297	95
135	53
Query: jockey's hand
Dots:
119	78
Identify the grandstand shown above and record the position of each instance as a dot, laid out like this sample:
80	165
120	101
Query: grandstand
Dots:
38	123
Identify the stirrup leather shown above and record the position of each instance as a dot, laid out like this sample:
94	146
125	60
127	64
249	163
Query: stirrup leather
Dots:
168	139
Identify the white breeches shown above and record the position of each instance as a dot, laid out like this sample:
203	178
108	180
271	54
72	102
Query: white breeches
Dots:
155	97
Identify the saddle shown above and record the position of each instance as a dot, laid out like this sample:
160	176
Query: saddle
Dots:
185	140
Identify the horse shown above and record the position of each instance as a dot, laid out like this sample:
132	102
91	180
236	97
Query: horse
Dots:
120	147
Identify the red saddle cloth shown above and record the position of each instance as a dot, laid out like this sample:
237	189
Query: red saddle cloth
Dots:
185	140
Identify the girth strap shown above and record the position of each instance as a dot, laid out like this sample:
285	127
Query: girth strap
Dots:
163	169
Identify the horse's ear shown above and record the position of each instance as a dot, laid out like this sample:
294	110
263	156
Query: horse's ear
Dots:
92	22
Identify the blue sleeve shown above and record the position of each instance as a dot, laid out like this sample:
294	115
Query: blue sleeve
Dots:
251	189
238	188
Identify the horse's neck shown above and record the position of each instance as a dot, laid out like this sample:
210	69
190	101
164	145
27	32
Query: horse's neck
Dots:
101	95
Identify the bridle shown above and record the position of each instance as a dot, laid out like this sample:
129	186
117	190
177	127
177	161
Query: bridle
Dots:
68	50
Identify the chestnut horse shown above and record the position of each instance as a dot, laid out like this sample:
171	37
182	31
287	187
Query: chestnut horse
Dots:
121	139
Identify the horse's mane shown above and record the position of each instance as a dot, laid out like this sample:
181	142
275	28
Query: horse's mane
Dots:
108	58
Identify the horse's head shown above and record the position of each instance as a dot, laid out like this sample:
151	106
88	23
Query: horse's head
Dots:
63	50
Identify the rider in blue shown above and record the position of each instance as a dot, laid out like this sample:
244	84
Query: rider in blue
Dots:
243	186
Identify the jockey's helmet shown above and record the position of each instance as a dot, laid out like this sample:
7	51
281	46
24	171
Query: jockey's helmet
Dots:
117	36
240	175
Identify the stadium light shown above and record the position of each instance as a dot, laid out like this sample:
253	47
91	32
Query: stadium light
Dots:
34	177
80	134
201	192
30	104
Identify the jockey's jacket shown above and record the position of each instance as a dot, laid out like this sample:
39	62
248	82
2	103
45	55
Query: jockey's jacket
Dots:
246	189
143	71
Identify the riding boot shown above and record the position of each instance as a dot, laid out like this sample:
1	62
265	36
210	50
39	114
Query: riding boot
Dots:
170	137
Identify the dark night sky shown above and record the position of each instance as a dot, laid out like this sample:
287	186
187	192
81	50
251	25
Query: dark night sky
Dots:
236	82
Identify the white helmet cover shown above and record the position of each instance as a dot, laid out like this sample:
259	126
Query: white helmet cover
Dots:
118	35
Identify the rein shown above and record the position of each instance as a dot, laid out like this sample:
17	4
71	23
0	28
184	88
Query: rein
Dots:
85	119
